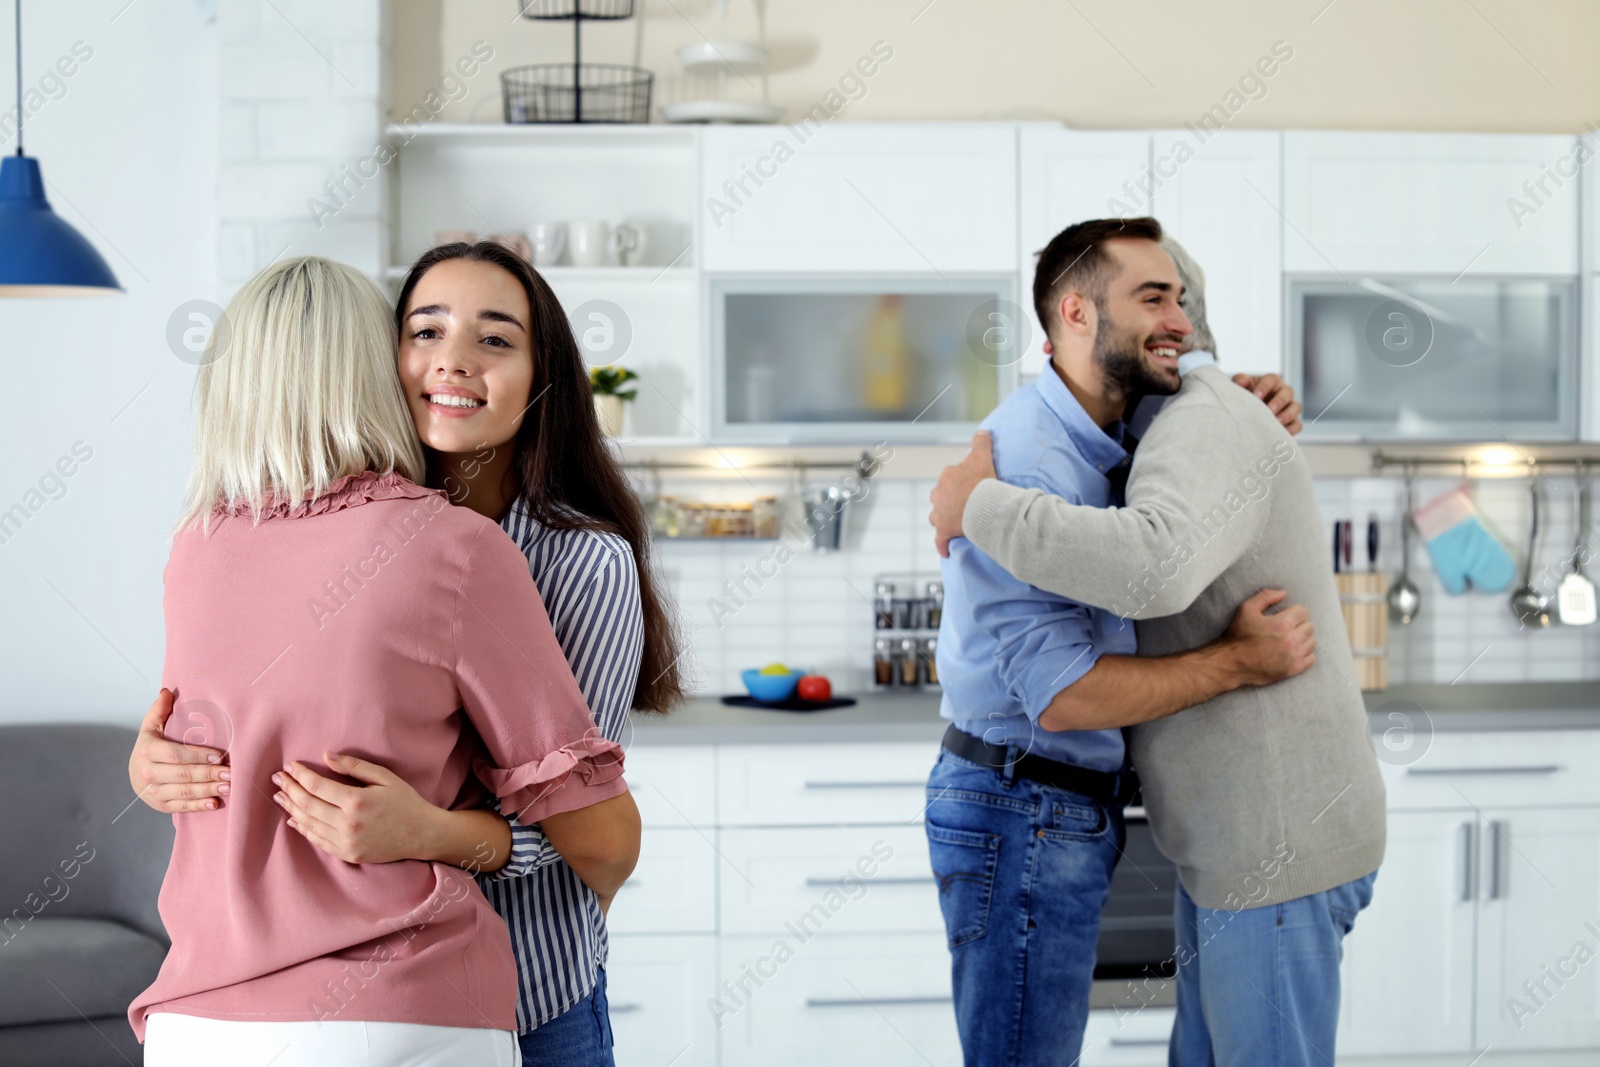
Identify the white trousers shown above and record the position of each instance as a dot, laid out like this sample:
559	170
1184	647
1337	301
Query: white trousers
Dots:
190	1041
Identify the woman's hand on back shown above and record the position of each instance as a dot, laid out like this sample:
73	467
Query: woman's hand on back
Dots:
173	777
375	822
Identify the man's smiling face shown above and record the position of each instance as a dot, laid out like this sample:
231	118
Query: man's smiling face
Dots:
1141	328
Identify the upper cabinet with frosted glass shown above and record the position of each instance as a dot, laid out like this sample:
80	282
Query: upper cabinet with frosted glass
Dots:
860	279
1431	284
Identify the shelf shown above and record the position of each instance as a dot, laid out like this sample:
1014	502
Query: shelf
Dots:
554	134
557	275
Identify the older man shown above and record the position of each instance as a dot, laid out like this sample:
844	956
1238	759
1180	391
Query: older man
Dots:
1268	800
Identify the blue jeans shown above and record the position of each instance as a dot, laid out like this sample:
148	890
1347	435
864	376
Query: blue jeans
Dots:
1261	985
1023	871
578	1037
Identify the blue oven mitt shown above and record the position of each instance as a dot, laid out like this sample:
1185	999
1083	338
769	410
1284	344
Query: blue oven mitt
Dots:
1463	551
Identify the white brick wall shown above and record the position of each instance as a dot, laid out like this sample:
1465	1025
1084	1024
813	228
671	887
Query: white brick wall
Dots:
816	613
301	98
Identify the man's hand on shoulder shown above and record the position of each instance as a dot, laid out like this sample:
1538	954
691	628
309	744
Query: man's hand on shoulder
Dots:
1277	394
956	484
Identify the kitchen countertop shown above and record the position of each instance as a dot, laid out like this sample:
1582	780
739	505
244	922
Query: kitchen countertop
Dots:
914	717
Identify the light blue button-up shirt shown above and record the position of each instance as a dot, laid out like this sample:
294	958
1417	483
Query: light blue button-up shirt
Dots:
1007	648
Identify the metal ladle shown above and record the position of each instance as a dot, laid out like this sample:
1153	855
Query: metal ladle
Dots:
1527	603
1404	597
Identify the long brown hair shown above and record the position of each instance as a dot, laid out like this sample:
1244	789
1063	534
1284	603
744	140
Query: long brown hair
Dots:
562	465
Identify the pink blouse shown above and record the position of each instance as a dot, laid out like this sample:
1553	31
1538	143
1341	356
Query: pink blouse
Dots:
381	622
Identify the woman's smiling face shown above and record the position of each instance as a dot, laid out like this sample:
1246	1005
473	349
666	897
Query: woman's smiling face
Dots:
466	356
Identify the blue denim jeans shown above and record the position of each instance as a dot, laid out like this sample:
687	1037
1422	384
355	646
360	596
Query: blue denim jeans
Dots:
1262	985
578	1037
1023	871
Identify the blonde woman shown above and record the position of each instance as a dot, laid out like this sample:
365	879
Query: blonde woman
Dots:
318	600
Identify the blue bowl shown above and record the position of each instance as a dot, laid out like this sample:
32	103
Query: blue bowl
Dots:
770	688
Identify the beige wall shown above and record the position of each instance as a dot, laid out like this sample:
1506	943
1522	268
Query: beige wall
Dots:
1506	65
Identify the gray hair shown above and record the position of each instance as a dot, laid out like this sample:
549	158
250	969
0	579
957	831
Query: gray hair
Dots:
1194	293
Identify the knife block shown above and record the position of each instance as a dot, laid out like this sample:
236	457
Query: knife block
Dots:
1363	598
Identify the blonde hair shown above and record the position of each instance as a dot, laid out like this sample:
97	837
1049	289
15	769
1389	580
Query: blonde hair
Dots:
1194	293
303	392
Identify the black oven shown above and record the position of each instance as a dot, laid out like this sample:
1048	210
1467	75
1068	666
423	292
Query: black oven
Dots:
1136	931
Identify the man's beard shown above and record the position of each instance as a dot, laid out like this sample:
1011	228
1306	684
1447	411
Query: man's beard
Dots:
1121	360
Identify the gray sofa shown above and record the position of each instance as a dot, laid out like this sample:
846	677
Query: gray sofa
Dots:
80	870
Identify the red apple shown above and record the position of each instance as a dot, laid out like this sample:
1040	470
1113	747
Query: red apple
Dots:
816	688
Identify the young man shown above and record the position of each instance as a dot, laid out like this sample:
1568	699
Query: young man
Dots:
1268	800
1024	820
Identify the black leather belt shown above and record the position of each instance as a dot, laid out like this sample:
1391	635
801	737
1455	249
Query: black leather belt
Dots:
1109	789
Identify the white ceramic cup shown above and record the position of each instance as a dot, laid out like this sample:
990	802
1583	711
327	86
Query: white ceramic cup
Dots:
590	240
549	241
630	244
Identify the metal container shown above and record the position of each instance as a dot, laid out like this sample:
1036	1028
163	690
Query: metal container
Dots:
825	517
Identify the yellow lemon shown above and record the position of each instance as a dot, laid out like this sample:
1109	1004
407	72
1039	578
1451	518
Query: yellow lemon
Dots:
774	668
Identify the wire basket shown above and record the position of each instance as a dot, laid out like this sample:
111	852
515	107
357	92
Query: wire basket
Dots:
575	9
562	92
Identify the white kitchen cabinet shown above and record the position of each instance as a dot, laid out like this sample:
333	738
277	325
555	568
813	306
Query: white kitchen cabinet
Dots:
1221	199
1539	929
1542	768
839	879
659	989
1437	203
1407	978
882	999
891	197
1067	176
674	785
674	887
821	785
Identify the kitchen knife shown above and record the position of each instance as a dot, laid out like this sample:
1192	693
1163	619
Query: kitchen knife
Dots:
1372	542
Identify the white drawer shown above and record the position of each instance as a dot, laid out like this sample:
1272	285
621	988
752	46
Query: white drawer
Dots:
674	785
1537	768
882	999
823	785
658	988
848	879
1127	1038
673	890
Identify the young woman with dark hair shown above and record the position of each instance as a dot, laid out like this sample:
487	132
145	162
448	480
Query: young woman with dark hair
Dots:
500	397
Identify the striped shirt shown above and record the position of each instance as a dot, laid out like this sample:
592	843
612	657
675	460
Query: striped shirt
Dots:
590	589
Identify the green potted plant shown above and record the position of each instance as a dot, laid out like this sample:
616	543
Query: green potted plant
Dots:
610	392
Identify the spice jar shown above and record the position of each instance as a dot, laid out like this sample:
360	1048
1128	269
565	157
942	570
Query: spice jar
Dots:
930	661
882	663
935	604
664	519
908	662
883	606
764	514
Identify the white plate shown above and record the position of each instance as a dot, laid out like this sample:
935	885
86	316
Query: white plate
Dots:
722	111
707	56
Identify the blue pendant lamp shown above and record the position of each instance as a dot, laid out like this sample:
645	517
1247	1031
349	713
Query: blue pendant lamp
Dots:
40	253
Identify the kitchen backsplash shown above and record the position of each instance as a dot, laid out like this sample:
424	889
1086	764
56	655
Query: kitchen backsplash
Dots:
748	603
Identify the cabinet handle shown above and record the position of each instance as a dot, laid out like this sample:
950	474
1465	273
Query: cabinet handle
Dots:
1498	831
1467	840
867	785
834	883
1439	772
858	1002
1138	1042
622	1009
